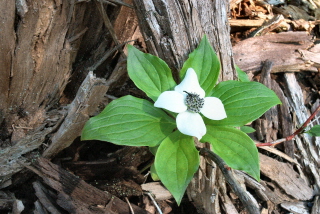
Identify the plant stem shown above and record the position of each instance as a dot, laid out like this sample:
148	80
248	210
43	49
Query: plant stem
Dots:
290	137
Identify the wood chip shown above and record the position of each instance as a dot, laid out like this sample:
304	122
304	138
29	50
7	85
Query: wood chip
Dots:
155	188
284	176
297	207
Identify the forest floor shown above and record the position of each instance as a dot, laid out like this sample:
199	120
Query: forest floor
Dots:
124	171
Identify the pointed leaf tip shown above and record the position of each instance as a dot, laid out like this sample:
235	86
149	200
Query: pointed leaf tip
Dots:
176	162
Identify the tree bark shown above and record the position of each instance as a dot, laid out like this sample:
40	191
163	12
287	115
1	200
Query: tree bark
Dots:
47	49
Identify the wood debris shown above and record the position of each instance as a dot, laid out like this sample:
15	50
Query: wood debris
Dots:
75	195
286	178
155	188
47	57
279	48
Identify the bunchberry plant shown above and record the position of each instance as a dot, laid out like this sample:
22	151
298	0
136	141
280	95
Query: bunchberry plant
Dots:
197	107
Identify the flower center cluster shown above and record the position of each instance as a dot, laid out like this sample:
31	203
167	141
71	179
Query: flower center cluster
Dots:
194	102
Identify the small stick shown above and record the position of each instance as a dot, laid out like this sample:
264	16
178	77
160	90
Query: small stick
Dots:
246	200
290	137
155	203
131	210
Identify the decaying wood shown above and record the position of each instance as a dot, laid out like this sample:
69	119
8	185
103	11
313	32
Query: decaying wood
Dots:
8	202
155	188
268	26
46	198
280	48
316	206
307	146
37	61
248	202
75	195
286	186
296	207
286	178
293	12
121	164
45	38
83	106
118	173
172	29
11	157
277	121
247	23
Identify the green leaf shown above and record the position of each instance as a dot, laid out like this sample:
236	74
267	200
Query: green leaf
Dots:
206	64
129	121
149	73
247	129
243	102
154	149
153	173
243	77
314	131
176	162
235	148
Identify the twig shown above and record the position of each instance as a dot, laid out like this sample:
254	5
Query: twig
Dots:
155	203
246	200
106	55
290	137
131	210
121	3
108	25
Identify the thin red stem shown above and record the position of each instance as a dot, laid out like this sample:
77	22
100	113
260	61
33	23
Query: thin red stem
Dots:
290	137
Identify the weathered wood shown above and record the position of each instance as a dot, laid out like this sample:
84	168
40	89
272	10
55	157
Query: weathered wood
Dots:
7	51
280	48
307	146
246	23
268	26
155	188
280	189
39	54
286	178
39	208
296	207
85	104
9	203
75	193
172	29
277	121
293	12
41	43
45	198
249	203
11	157
121	164
316	206
40	62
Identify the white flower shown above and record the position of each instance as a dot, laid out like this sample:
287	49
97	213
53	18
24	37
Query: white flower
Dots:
188	100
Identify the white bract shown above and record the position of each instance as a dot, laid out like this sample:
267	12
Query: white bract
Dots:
188	99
